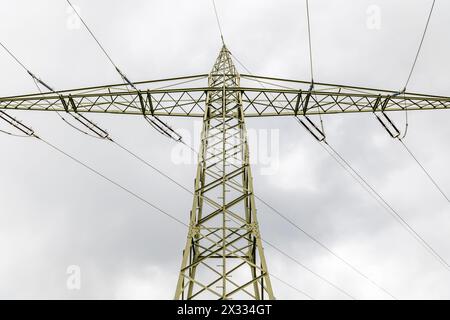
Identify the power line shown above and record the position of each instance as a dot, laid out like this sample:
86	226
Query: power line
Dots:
302	230
420	45
157	124
13	134
405	132
135	195
307	268
425	170
173	218
292	287
403	91
386	205
219	29
311	67
383	201
38	81
140	198
92	34
401	139
190	192
389	208
96	136
123	76
25	131
325	247
309	42
433	181
147	163
414	65
99	133
14	57
30	133
33	76
406	110
218	21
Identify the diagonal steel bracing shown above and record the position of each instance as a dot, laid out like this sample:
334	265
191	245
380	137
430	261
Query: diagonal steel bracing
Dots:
223	256
171	97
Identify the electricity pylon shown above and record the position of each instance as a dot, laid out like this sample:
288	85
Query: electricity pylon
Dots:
223	256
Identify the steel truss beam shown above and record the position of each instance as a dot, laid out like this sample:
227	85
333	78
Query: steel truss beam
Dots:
278	97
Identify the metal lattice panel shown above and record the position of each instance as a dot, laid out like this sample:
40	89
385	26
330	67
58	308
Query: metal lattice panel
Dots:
273	97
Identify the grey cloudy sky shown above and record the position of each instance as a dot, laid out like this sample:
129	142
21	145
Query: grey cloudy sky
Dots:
54	213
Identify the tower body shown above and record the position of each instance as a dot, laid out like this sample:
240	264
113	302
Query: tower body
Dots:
223	257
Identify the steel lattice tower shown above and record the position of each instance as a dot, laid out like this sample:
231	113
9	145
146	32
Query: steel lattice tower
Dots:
223	256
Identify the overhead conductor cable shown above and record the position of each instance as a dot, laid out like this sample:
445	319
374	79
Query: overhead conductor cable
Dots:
346	165
96	131
154	121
